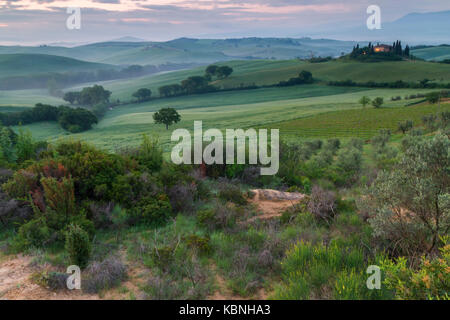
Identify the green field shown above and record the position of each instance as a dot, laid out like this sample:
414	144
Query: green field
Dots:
259	72
124	125
362	123
27	98
286	107
433	53
266	72
29	64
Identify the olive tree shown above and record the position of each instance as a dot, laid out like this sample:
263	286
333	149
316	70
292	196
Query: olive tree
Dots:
409	206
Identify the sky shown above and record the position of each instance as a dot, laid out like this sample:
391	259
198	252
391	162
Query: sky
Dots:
44	21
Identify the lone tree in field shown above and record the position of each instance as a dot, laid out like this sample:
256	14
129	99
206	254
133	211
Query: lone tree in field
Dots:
377	102
365	100
433	97
405	126
167	116
143	94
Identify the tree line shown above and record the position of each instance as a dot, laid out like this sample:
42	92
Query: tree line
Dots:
70	119
196	84
422	84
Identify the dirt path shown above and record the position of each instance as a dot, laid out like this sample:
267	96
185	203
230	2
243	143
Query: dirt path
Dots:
272	203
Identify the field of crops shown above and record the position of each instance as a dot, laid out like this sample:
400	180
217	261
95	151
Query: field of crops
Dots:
124	125
362	123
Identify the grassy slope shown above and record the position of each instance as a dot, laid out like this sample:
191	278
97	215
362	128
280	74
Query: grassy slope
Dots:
27	98
247	108
342	70
267	72
27	64
124	125
362	123
434	53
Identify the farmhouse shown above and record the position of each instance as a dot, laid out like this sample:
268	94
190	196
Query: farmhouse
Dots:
382	48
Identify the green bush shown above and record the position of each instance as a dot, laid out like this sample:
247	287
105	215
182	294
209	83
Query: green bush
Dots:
231	192
34	233
153	210
206	218
78	246
430	281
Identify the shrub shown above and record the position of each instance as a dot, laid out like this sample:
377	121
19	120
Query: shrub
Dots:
150	153
355	143
410	204
56	280
231	192
430	121
377	102
332	145
430	281
182	197
34	233
405	126
199	243
309	269
104	275
349	160
322	203
152	210
59	195
206	218
78	246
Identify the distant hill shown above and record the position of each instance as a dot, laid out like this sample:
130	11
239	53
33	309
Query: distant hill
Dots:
129	39
193	51
430	28
436	53
29	64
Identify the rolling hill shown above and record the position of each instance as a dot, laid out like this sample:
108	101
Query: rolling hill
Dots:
30	64
186	50
434	53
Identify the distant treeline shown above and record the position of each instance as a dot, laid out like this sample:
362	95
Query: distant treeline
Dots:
425	46
201	84
423	84
62	80
70	119
196	84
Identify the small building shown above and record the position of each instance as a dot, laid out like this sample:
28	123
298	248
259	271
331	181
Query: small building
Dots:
382	48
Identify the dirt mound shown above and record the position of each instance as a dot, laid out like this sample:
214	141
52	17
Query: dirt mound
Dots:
272	203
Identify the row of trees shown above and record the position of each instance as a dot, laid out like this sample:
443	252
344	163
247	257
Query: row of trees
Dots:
377	102
422	84
304	77
196	84
70	119
220	72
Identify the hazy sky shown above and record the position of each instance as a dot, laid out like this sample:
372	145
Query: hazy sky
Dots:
44	21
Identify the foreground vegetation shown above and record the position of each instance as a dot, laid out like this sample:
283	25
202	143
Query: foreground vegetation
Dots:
372	164
75	204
